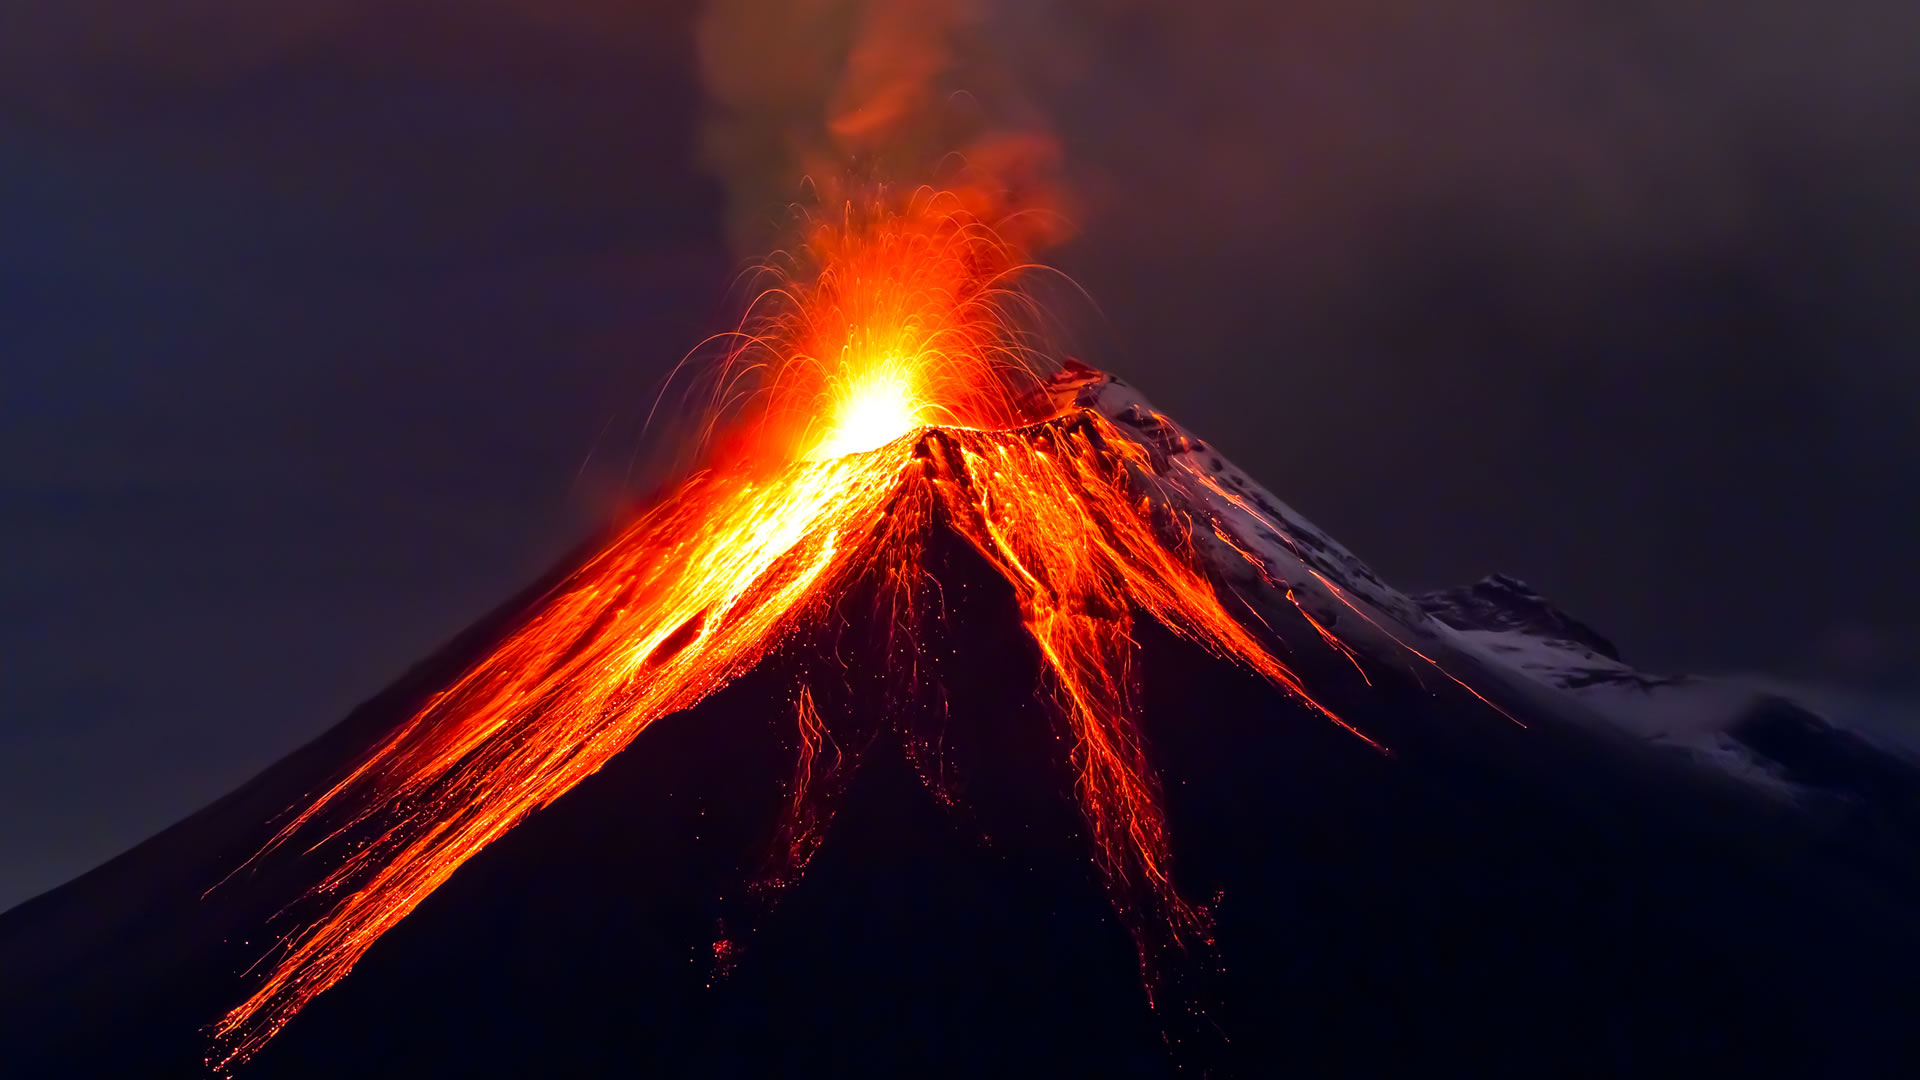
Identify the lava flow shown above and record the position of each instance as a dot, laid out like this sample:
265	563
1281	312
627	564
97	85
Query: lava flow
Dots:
894	390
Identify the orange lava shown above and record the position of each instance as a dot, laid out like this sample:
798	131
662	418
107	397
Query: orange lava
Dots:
894	394
803	825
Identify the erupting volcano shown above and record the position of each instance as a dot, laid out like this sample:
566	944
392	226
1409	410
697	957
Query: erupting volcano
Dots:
923	569
901	395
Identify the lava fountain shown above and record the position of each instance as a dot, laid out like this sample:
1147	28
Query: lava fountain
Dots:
887	382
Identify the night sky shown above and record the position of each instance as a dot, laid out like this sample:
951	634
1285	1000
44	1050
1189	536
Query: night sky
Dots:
323	328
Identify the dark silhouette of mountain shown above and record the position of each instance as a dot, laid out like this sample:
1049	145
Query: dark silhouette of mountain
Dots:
1489	898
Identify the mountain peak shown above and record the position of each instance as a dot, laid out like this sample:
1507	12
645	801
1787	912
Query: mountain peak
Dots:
1503	602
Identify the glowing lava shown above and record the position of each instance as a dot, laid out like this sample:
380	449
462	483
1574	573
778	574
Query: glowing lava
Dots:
897	393
873	414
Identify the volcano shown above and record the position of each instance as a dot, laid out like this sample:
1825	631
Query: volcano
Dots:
827	866
965	713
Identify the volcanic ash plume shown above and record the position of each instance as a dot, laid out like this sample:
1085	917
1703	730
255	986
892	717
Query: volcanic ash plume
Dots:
823	99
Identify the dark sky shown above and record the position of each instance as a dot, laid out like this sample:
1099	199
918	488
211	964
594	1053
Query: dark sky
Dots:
324	325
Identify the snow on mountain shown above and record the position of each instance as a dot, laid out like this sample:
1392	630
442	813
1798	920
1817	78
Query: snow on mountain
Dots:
1257	537
1781	739
1806	743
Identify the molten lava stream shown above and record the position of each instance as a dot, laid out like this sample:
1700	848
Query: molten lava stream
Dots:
686	599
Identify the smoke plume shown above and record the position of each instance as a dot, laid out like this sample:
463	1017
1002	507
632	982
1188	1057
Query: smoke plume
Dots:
814	100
